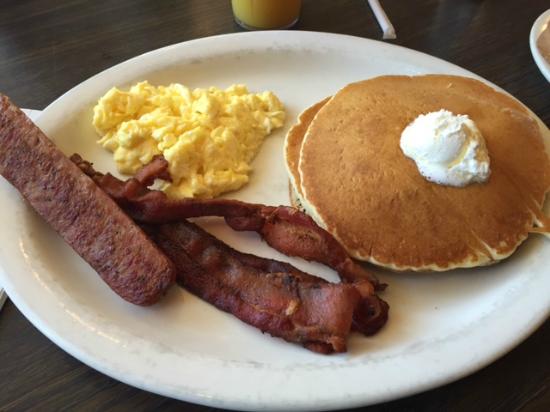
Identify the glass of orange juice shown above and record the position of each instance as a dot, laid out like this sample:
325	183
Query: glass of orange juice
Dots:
266	14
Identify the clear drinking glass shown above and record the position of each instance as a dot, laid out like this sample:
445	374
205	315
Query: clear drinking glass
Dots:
266	14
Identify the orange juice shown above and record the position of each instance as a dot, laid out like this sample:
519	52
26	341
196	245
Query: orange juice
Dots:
266	14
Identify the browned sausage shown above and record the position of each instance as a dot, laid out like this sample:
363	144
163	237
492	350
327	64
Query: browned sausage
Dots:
87	219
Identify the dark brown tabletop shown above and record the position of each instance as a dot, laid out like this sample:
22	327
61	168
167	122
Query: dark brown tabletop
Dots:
49	46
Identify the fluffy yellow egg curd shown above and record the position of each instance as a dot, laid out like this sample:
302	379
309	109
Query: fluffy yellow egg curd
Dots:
208	136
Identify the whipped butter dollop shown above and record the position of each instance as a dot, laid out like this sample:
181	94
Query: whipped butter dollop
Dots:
448	149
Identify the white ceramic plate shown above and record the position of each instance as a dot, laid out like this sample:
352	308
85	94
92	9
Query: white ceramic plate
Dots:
442	326
540	24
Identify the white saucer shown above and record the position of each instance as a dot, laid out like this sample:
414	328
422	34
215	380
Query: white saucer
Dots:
539	25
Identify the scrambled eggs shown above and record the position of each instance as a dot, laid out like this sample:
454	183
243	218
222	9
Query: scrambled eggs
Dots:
208	136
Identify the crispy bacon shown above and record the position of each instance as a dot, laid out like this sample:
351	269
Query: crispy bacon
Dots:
272	296
284	228
370	314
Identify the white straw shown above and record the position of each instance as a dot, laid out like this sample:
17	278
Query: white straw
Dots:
388	32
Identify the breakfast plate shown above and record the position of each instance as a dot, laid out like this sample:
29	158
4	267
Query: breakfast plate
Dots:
541	23
442	326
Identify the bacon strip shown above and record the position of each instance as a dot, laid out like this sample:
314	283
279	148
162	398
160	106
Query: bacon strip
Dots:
286	229
370	314
281	301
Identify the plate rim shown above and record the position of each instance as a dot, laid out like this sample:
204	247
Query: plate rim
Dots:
236	403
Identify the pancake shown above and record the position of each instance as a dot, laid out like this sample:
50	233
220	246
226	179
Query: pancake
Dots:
293	144
354	180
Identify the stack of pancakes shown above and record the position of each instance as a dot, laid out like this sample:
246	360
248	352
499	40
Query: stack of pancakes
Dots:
348	172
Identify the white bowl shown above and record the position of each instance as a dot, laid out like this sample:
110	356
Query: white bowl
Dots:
540	24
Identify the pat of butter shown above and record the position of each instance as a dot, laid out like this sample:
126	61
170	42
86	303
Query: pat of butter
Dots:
447	149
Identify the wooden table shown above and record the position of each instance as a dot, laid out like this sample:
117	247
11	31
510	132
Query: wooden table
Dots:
49	46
